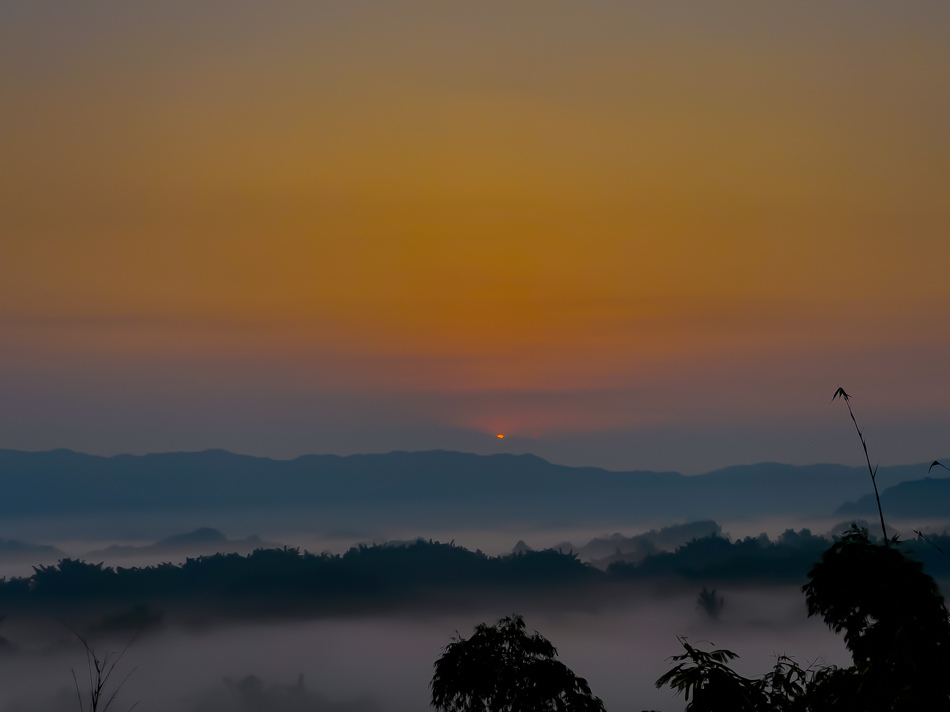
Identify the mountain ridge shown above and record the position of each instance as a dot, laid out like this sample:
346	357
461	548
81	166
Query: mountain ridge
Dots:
64	481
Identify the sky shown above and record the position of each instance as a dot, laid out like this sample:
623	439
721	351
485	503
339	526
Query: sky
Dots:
633	235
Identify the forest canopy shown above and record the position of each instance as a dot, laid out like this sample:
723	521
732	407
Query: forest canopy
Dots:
373	577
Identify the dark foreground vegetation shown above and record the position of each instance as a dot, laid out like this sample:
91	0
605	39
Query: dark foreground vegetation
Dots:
890	611
895	625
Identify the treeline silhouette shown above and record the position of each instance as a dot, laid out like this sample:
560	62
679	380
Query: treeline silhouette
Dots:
787	559
384	576
363	577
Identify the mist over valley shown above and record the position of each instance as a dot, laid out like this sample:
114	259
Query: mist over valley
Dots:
602	563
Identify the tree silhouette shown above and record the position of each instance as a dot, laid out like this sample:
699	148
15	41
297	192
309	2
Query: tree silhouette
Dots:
843	395
710	603
502	668
894	621
713	686
101	692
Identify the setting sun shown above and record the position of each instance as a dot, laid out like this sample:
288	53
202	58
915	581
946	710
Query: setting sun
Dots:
359	231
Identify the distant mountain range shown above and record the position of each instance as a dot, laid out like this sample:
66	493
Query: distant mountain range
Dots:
203	540
468	486
928	497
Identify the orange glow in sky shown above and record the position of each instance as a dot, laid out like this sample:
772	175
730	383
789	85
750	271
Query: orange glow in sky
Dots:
626	217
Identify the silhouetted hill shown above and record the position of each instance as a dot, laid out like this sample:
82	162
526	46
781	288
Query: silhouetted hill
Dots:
201	536
604	551
928	497
808	488
16	549
464	485
204	540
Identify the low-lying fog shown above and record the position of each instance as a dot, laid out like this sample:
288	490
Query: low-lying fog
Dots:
129	539
384	664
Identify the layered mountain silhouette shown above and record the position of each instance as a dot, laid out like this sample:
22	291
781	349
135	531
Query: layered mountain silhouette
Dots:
453	483
928	497
603	551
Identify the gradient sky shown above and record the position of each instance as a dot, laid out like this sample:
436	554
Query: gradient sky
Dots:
654	235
